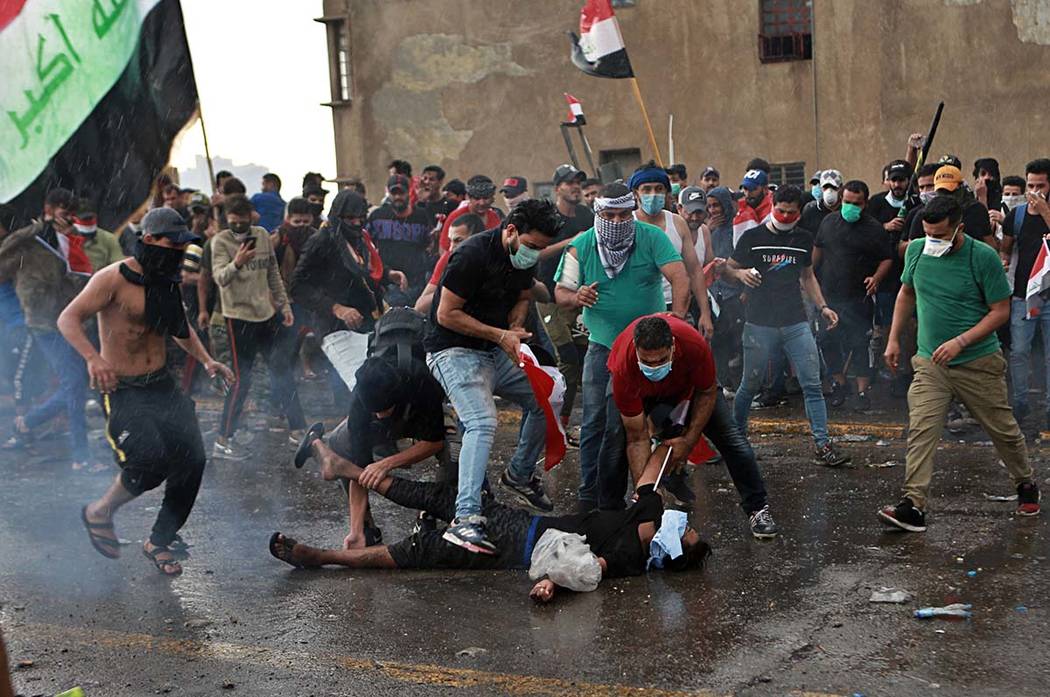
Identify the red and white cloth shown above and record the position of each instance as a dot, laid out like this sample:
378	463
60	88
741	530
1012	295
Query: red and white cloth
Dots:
549	387
748	217
1038	282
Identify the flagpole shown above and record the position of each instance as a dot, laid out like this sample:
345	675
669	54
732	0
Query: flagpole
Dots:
648	124
207	151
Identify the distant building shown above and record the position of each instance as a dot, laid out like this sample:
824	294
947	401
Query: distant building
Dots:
806	84
197	177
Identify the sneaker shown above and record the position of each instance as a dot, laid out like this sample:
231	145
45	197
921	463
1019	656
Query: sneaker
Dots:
373	535
469	533
572	438
863	402
296	435
904	516
763	527
424	523
228	451
838	394
530	494
829	456
768	400
1028	499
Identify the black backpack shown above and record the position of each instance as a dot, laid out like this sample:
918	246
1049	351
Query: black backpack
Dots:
398	336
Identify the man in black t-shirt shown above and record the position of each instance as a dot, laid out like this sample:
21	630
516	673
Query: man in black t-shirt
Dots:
771	261
389	402
1024	230
889	208
854	254
402	233
948	181
474	342
576	218
814	212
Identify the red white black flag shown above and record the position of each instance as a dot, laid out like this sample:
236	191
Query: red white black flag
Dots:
575	111
599	49
1038	283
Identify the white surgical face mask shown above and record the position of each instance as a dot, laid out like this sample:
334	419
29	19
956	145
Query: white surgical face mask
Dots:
938	248
926	196
1013	201
830	197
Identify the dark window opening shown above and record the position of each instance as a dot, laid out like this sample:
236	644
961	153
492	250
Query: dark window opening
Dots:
784	173
786	30
618	164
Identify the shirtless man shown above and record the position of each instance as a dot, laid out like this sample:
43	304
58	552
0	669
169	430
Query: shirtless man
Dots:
150	424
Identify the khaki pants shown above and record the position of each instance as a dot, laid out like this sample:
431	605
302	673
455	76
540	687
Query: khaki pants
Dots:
981	386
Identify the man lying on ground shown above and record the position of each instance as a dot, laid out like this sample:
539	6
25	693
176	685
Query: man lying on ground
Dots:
620	539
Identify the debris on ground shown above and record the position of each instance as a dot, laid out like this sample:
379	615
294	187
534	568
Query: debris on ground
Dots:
953	610
890	595
880	465
852	438
471	652
996	497
197	624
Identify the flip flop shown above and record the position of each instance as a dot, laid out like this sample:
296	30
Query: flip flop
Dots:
109	548
281	548
302	453
162	563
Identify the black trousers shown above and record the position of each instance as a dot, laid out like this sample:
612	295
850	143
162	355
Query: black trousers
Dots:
730	441
277	343
851	336
152	427
507	527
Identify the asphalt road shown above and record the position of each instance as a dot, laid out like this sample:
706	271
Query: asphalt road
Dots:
788	616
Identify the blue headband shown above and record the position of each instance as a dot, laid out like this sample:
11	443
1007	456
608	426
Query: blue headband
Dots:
650	175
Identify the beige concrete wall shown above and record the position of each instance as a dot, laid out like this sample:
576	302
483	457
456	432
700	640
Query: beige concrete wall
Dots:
476	86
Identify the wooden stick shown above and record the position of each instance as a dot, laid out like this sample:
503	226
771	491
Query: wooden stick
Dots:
648	124
207	152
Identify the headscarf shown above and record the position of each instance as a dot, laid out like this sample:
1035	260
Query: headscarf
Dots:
649	175
615	238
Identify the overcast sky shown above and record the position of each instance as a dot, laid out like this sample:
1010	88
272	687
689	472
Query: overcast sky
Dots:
262	74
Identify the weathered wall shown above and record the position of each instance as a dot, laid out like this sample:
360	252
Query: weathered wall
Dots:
476	86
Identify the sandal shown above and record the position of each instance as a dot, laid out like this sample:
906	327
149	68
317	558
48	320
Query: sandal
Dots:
179	546
109	547
281	548
303	453
168	567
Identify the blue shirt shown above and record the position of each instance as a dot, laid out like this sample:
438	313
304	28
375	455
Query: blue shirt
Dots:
270	207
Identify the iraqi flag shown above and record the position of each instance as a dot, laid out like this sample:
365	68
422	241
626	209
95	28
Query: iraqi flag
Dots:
599	49
93	96
549	387
748	217
576	117
1038	282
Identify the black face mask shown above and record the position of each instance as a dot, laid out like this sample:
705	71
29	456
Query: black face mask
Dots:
159	264
315	209
351	233
399	206
240	228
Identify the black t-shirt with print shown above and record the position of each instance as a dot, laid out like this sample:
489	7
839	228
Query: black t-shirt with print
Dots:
480	272
850	253
1027	242
975	221
780	258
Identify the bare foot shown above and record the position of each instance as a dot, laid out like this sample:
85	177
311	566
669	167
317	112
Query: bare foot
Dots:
324	457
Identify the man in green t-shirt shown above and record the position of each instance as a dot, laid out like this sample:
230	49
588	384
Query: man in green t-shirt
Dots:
614	271
962	296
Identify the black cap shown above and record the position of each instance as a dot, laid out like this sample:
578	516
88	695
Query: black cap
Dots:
314	190
166	222
398	181
514	186
898	169
567	173
480	186
710	171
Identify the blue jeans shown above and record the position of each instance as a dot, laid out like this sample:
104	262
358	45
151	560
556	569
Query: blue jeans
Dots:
70	395
1022	332
471	378
797	343
603	454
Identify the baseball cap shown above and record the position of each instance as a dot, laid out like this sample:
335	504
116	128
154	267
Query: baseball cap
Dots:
200	201
815	179
754	179
314	190
397	181
831	177
480	186
566	173
710	171
950	159
898	169
692	199
166	222
188	190
456	187
948	178
191	258
514	186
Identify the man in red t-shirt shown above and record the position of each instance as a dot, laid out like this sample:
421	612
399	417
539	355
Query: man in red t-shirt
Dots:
664	384
481	192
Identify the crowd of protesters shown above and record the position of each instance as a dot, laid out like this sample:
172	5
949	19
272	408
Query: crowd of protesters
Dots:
671	310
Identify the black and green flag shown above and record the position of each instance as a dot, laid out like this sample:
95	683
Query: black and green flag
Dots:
94	93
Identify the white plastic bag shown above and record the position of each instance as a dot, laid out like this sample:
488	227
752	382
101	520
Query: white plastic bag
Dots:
346	351
565	558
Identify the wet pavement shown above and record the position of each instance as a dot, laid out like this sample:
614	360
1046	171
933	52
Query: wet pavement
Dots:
787	616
